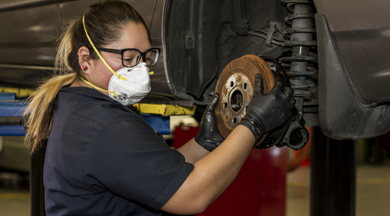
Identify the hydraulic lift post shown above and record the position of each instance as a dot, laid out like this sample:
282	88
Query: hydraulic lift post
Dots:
333	176
36	183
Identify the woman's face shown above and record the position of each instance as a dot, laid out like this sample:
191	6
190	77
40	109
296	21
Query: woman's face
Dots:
134	35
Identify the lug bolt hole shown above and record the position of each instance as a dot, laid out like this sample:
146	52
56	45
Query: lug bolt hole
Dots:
237	101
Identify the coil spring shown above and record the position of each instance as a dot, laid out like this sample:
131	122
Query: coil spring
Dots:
301	40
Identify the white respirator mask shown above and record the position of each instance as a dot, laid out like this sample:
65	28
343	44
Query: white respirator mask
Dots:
134	89
128	86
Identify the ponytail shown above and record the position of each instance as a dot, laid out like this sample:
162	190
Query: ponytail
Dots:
40	110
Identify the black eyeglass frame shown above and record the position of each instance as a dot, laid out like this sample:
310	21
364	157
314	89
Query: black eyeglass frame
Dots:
124	50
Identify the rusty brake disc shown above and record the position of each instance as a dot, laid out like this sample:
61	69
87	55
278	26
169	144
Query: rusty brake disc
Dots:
235	86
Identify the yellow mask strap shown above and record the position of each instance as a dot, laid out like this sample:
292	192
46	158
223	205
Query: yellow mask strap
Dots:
112	92
150	72
97	52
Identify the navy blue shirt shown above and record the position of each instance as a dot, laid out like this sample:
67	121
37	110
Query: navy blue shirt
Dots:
104	159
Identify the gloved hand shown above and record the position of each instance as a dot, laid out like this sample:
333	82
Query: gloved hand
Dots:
267	111
209	136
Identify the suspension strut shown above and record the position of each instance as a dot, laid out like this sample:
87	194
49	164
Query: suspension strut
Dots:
301	40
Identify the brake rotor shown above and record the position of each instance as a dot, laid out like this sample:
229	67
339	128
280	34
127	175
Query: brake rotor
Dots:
235	87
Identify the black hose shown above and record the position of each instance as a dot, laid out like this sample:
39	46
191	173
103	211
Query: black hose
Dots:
11	120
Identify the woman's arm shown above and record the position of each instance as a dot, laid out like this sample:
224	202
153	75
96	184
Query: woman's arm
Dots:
192	151
212	174
208	137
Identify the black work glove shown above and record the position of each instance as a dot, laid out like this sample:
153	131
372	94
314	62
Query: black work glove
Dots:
268	111
209	136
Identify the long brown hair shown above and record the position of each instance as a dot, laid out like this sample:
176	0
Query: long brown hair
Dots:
104	21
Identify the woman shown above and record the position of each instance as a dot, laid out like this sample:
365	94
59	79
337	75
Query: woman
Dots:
101	157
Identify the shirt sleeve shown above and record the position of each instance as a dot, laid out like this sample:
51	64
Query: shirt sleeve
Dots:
128	158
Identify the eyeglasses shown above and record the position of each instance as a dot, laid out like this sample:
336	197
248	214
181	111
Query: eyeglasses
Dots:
131	57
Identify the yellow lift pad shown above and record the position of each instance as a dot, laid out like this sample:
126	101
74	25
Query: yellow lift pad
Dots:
164	109
20	92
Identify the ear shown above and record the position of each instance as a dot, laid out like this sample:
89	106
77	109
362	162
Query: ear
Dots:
84	58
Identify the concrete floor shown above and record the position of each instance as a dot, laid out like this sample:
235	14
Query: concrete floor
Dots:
372	192
14	195
373	189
